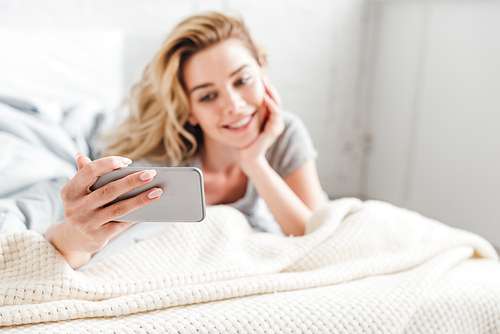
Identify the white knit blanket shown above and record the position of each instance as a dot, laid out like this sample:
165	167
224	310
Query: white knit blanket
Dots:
362	267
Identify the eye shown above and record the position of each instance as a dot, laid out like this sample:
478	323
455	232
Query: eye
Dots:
208	97
242	81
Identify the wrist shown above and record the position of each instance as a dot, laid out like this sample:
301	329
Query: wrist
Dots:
254	166
60	237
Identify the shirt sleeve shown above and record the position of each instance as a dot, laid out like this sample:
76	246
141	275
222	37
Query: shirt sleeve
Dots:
293	148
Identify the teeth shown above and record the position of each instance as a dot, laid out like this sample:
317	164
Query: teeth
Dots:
241	123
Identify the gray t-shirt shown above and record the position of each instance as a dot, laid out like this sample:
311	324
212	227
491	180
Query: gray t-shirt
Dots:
291	150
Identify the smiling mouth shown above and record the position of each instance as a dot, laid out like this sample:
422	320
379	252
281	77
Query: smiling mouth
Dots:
241	123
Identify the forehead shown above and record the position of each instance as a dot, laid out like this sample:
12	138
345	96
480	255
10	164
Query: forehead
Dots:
217	62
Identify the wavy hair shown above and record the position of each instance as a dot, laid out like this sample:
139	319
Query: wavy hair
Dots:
157	127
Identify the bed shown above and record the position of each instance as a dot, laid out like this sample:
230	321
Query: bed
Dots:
362	267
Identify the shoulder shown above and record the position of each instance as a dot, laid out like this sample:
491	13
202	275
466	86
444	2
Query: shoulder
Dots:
291	120
293	148
294	128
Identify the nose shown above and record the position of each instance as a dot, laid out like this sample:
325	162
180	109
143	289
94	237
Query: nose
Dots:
234	102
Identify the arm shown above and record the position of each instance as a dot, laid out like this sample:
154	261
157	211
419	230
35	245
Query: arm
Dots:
88	223
292	200
305	183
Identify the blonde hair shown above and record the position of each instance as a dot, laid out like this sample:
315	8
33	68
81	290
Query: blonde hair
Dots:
156	128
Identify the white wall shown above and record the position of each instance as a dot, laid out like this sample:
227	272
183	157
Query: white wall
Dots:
433	111
313	48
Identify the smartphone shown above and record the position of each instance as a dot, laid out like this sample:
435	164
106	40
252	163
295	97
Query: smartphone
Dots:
183	198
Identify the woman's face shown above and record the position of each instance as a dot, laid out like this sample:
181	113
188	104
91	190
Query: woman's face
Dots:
226	94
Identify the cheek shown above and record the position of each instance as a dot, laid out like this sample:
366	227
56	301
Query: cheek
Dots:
257	94
197	113
206	115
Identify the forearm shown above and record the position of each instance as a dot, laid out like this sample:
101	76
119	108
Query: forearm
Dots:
288	209
60	237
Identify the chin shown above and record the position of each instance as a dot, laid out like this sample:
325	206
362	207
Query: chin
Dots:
247	143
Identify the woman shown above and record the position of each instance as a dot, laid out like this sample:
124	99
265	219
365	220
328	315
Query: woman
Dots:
205	100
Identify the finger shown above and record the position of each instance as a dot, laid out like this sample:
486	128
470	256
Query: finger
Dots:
89	173
270	88
109	192
72	190
272	105
274	126
82	160
123	207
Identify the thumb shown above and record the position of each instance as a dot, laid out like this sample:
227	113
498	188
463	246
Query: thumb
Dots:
82	160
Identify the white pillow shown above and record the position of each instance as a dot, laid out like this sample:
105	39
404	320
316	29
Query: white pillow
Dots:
64	67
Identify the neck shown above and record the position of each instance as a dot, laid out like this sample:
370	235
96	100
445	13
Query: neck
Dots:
217	157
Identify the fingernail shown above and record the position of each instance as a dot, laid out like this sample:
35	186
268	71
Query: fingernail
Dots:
78	154
147	174
126	161
155	193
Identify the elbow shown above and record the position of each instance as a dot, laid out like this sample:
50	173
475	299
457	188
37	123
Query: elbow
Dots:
298	229
297	234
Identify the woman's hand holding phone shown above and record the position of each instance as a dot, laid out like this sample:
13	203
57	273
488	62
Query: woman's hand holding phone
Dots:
88	223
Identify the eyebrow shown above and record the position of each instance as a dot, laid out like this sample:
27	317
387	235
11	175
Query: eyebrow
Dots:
211	84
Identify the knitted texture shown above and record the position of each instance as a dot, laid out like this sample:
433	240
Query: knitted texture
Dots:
362	267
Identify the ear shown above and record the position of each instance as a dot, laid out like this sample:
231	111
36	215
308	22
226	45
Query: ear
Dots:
192	120
262	63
